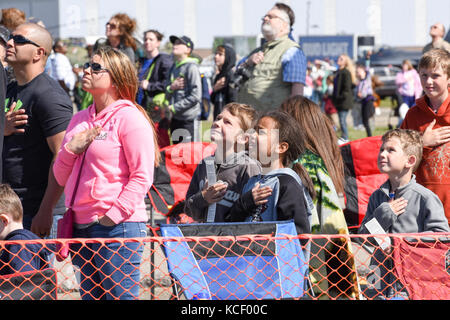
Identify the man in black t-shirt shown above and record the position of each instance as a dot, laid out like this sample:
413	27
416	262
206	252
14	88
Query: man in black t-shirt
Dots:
38	112
3	81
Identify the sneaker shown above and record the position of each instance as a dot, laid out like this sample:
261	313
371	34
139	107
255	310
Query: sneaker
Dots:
342	141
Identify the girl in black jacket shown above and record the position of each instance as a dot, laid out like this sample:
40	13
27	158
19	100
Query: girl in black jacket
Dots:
225	59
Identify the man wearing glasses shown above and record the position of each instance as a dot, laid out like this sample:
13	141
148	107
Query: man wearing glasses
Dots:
278	68
38	111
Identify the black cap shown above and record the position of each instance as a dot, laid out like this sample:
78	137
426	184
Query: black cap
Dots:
186	40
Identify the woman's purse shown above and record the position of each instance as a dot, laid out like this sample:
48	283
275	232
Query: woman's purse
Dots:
65	224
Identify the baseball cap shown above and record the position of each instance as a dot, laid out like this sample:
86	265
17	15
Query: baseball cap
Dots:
4	33
186	40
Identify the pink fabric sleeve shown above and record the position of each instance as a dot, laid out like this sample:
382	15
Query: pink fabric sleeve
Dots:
62	168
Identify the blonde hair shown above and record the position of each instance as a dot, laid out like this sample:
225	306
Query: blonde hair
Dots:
408	63
434	58
10	203
245	113
350	66
410	140
11	18
124	76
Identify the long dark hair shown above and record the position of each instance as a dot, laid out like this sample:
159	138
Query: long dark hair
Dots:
320	137
291	133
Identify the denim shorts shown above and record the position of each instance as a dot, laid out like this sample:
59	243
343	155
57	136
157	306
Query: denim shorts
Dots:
109	270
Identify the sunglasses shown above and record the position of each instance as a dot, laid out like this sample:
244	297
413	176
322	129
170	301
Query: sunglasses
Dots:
111	25
95	67
20	39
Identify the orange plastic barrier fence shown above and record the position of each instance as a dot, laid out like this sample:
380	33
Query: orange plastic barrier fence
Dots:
410	266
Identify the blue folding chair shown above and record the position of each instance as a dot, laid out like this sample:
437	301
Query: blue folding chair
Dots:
270	267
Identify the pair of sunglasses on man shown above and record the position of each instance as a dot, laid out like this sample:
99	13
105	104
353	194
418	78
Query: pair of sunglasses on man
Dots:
19	39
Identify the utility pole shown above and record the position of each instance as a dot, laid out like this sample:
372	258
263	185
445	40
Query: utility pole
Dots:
308	7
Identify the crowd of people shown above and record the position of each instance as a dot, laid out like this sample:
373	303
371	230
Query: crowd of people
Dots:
274	129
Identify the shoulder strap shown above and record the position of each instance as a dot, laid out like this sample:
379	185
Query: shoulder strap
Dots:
211	176
78	181
150	71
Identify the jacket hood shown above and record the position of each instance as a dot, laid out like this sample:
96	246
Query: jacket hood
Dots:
423	104
230	61
185	61
119	104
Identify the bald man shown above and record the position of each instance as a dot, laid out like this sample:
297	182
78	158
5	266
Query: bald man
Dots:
437	33
38	111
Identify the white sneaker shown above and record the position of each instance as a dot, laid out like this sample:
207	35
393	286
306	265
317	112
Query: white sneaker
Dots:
342	141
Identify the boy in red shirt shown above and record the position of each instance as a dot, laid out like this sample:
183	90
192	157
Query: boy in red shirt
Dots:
431	116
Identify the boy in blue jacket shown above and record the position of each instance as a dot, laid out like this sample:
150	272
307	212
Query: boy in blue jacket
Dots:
17	257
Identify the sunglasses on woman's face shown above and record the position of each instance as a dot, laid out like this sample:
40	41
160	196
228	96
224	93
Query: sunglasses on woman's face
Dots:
20	39
95	67
112	26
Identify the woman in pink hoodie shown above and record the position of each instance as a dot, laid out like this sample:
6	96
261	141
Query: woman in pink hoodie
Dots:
408	84
111	144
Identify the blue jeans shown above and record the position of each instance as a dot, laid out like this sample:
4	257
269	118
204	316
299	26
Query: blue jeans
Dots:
343	123
109	270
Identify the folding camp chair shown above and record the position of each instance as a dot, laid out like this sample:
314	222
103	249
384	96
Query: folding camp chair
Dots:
172	177
423	266
362	176
30	285
239	266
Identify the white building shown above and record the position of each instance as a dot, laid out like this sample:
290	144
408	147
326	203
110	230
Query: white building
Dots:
395	23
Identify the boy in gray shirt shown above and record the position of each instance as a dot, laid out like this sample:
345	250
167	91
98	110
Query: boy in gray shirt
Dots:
401	205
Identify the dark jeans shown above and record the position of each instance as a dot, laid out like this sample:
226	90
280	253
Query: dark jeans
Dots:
182	130
109	270
409	100
343	123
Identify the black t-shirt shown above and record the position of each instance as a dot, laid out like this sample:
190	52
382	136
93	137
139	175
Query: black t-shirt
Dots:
27	156
3	81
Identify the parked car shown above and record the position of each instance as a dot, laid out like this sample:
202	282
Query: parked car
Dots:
394	57
386	75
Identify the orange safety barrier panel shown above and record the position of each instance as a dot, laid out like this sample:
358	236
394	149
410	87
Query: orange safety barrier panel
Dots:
412	266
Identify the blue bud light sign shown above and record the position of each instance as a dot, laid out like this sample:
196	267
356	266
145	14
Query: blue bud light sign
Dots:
322	47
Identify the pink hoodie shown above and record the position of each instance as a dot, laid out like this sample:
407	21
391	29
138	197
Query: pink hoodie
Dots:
118	168
408	83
